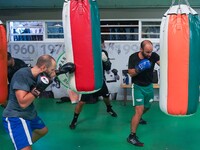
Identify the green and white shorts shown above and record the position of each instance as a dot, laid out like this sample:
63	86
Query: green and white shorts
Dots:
142	95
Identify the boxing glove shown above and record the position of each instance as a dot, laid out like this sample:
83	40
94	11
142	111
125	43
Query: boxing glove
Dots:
43	81
114	71
104	57
143	65
68	67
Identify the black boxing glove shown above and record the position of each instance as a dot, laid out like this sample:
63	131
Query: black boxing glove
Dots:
114	71
68	67
43	81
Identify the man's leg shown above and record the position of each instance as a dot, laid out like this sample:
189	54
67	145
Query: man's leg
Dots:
39	133
142	121
77	111
38	129
20	131
105	93
109	107
149	96
133	139
138	103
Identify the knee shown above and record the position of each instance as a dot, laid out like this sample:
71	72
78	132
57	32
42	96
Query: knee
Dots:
139	111
44	131
81	103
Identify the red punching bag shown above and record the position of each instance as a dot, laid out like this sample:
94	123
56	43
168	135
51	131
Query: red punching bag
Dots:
3	64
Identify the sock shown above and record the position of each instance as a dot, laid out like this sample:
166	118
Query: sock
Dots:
132	135
75	118
108	107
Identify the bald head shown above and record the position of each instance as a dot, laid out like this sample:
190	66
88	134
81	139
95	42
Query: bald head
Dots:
146	48
144	43
46	60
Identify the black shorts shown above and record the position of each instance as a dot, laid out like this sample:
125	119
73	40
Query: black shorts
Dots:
102	92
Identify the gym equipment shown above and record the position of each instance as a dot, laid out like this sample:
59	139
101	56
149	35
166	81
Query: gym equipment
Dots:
81	24
3	64
179	65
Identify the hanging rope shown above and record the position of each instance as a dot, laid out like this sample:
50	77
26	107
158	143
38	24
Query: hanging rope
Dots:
186	1
179	5
173	1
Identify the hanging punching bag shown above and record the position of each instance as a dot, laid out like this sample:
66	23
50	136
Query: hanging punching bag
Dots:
3	64
82	40
179	66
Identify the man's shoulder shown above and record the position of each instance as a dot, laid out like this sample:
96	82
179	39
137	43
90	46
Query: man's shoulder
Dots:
23	71
155	55
19	62
134	54
103	50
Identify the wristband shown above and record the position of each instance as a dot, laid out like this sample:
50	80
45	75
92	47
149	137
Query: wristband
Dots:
35	92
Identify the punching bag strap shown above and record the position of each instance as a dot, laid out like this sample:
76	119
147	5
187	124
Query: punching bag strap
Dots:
187	3
180	2
179	10
173	1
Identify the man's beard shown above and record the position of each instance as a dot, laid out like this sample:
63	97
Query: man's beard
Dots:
144	55
48	74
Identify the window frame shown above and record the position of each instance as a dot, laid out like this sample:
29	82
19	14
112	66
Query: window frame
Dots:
137	25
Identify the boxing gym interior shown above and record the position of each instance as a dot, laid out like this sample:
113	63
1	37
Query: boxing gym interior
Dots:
76	31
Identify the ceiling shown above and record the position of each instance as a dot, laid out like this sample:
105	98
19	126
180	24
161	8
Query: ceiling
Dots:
42	4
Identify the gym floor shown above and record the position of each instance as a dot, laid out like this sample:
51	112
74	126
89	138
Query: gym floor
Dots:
97	130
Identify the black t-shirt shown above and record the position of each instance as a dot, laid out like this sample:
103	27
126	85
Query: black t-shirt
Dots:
146	77
18	64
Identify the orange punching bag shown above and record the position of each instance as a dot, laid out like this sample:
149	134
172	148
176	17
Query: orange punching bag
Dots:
179	65
3	64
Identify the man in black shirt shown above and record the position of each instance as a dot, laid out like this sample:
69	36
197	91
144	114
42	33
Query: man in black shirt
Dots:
140	68
14	64
102	92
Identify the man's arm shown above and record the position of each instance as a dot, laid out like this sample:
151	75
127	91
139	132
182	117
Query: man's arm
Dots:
143	65
24	98
132	72
158	62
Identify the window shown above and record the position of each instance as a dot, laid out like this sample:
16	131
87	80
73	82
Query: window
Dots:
150	29
35	30
111	30
26	31
120	30
54	30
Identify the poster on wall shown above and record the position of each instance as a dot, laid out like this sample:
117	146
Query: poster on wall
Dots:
29	52
26	52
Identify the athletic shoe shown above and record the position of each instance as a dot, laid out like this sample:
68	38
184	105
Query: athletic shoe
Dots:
111	112
142	121
134	140
72	125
